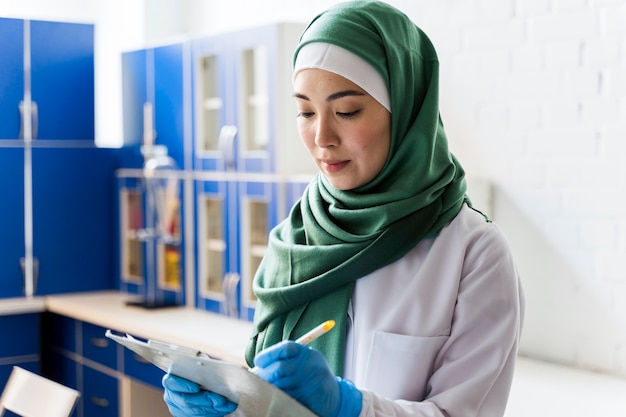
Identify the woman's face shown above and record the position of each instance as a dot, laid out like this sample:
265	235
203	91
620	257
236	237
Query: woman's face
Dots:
347	132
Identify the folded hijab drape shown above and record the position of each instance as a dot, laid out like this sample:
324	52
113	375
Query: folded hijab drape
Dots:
332	237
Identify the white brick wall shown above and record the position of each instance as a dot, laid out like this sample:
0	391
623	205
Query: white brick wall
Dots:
561	194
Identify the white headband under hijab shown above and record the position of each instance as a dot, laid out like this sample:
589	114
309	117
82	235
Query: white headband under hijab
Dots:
340	61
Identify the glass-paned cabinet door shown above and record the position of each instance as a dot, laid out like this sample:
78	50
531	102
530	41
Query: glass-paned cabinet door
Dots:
132	247
265	109
214	146
170	258
169	236
212	247
217	280
210	105
260	201
254	127
255	92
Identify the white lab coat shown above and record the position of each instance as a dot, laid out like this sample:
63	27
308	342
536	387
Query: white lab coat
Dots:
436	333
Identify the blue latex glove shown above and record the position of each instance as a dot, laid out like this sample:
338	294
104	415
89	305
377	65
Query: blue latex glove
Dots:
186	399
304	374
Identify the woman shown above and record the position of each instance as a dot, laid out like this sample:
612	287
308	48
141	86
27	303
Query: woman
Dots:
384	241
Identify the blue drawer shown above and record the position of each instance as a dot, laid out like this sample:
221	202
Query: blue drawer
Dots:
138	368
100	394
97	347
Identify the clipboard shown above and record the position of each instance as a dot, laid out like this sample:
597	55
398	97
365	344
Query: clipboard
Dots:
255	396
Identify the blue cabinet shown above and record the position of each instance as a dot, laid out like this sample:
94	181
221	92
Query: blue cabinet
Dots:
96	347
260	212
217	253
11	76
156	98
59	348
131	248
223	107
243	106
11	220
73	211
157	117
58	80
20	346
234	219
246	152
57	187
142	370
77	354
99	394
150	264
59	352
72	214
100	384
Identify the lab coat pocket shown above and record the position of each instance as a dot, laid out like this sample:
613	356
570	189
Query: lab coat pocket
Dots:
400	366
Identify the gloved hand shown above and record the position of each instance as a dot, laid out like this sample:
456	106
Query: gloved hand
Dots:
304	374
186	399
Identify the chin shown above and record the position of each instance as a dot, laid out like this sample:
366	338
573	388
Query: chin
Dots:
339	185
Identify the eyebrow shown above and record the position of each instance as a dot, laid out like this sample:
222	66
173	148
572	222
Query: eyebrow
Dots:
334	96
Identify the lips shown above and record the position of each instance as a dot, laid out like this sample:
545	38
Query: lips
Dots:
334	165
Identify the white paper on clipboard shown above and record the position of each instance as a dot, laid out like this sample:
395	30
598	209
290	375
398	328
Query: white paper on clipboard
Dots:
255	397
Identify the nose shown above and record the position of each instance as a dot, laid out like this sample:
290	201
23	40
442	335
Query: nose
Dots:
326	134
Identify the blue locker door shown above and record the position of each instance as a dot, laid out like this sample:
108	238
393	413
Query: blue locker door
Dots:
11	76
11	221
169	100
134	95
62	60
73	217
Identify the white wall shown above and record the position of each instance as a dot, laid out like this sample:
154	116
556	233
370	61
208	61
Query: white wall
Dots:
534	100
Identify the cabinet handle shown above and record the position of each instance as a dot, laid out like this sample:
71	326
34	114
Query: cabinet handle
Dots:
21	109
35	119
230	291
100	402
226	143
148	124
34	122
99	342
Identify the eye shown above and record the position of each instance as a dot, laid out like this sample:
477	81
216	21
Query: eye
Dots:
349	115
305	114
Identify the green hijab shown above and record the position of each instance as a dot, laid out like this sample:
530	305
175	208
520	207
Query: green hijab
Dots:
331	237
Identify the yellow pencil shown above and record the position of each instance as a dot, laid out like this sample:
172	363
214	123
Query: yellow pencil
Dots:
316	332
